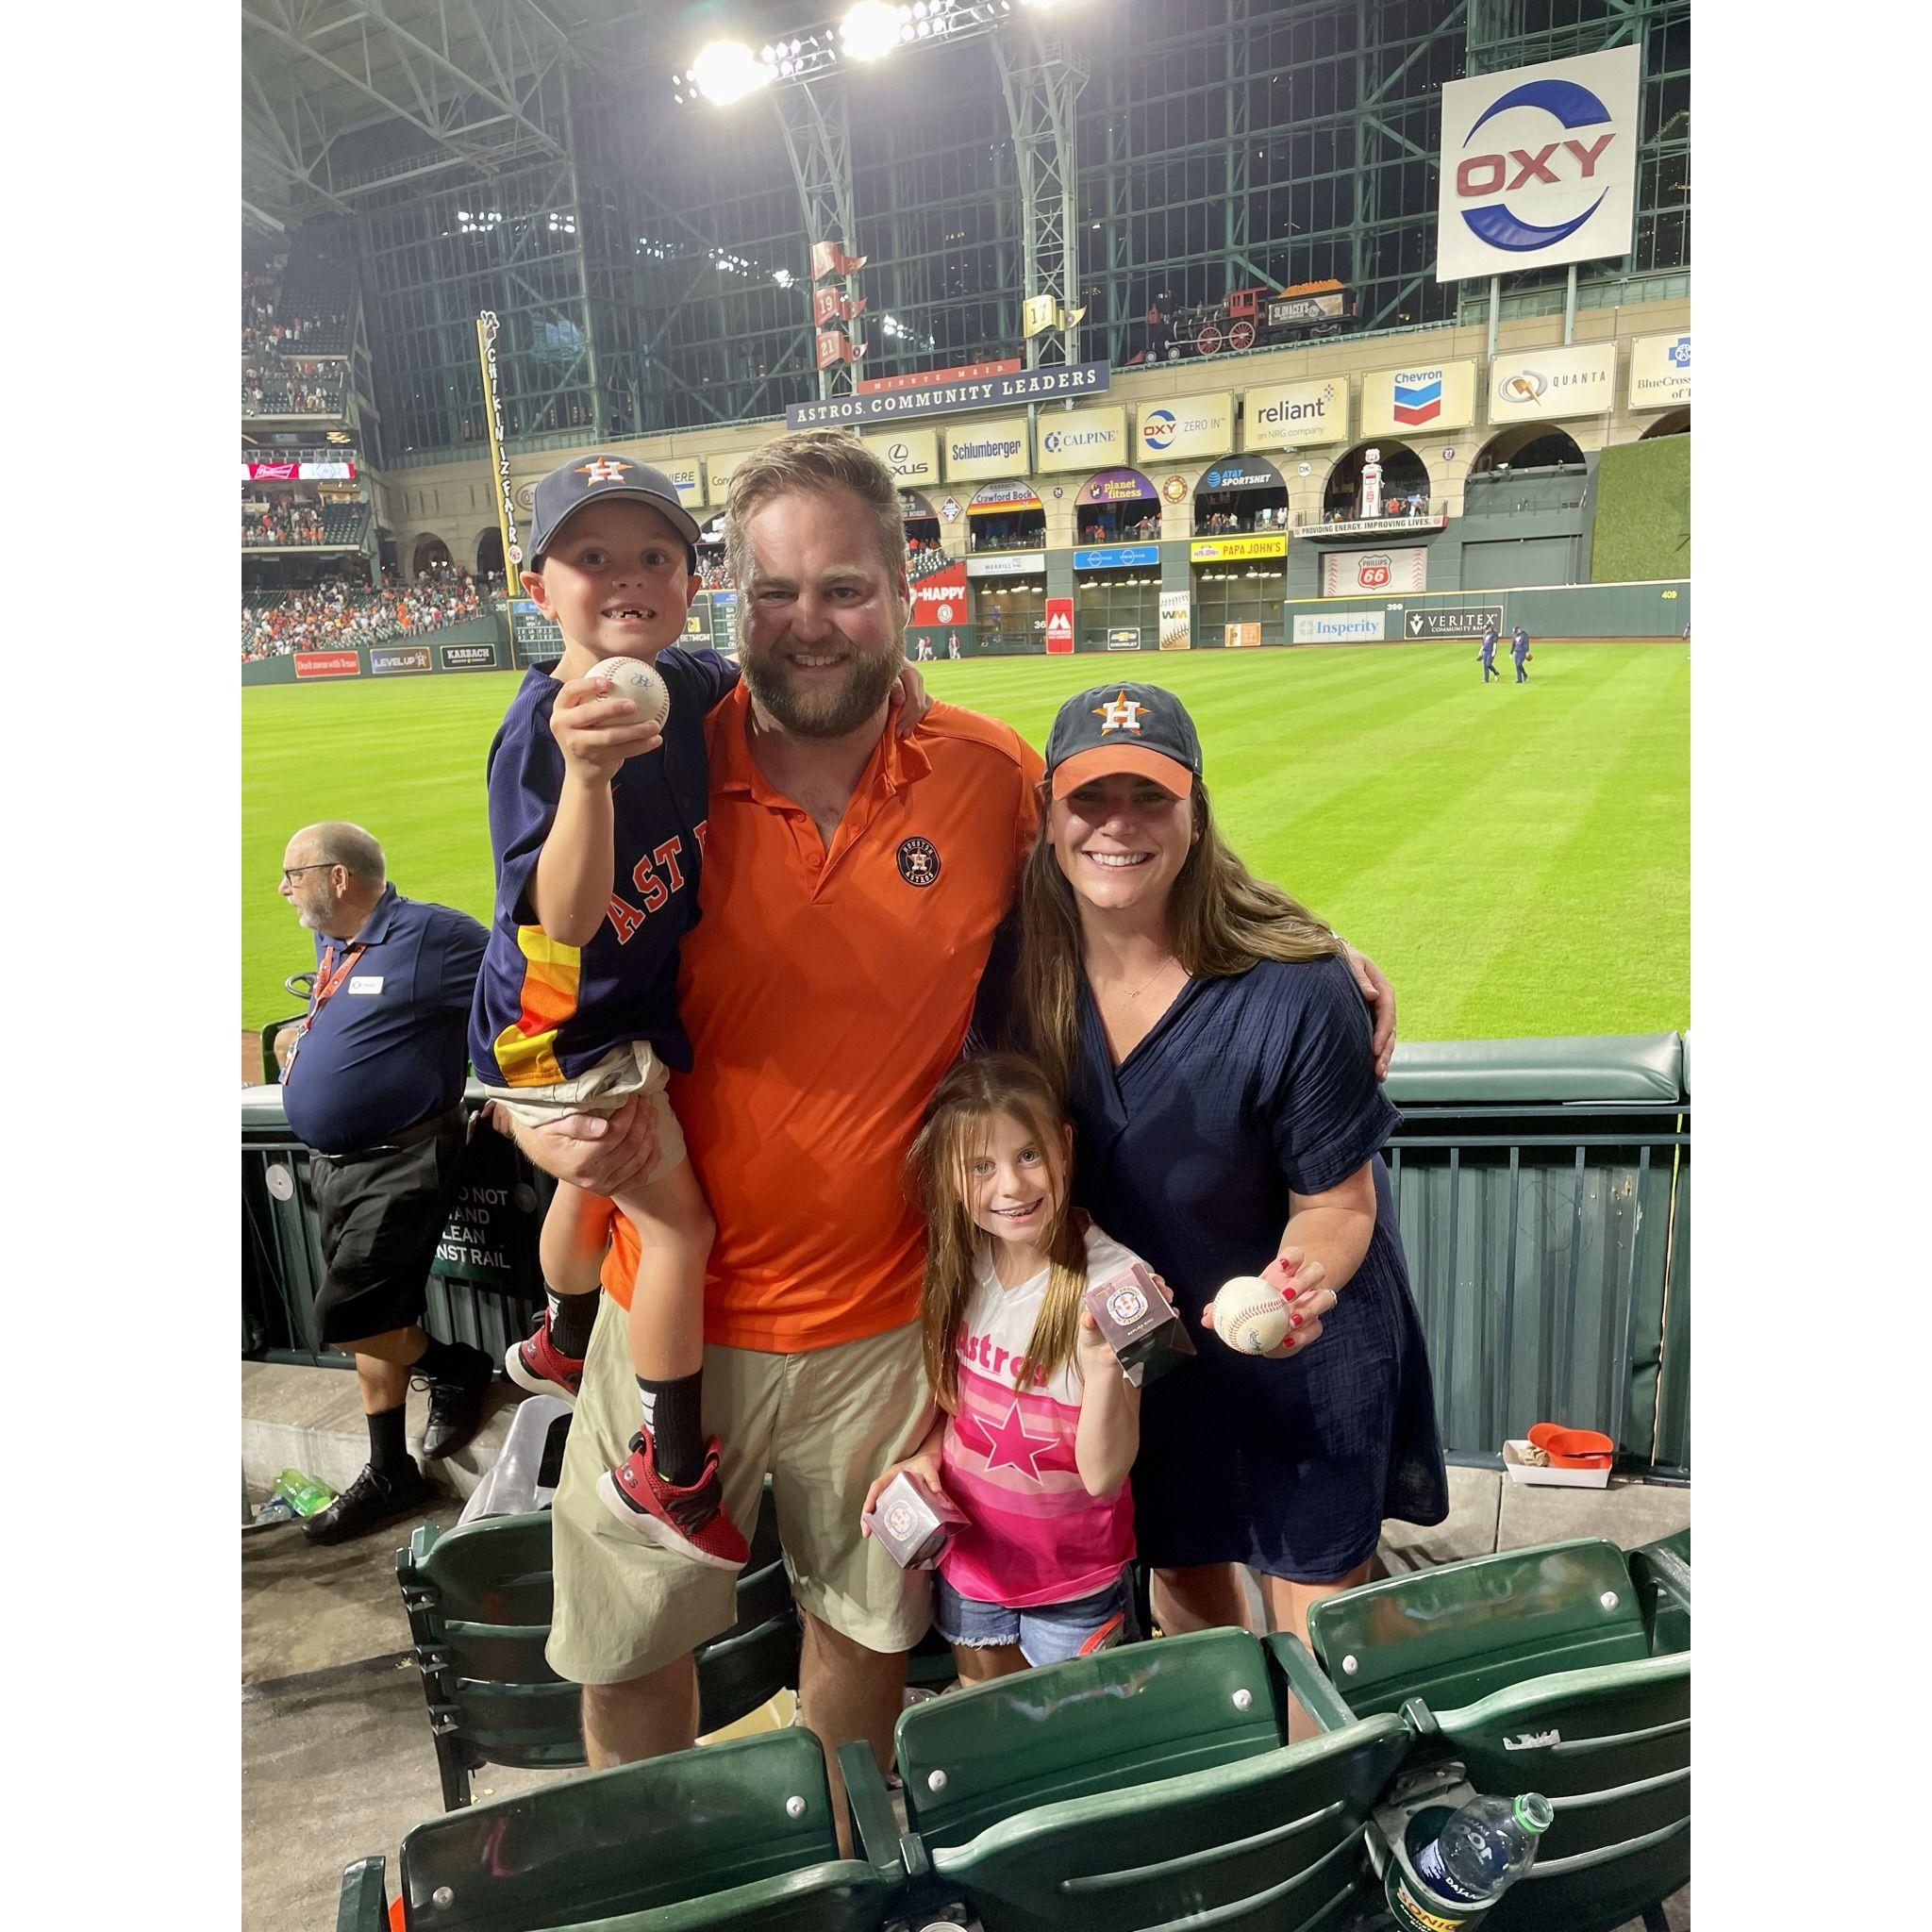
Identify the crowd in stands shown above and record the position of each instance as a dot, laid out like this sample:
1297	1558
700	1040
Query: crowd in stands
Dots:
1227	523
332	615
1005	537
713	573
282	521
923	559
302	453
299	388
1110	527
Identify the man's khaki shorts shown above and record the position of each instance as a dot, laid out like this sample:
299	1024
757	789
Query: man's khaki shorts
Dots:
632	1068
822	1424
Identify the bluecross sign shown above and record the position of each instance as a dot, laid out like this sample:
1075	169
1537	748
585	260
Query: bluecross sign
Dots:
1054	383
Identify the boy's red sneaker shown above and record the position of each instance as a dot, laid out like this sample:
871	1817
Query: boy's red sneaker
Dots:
542	1367
690	1521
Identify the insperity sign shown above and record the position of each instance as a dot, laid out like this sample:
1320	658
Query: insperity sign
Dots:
1538	165
1053	382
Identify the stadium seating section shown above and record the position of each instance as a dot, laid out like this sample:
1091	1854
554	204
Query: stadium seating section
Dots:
1144	1787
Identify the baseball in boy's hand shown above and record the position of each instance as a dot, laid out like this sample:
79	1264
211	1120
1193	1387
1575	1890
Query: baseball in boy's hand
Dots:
1250	1315
641	683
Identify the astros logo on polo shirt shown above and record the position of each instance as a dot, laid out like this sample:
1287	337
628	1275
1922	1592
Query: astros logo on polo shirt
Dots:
919	861
605	470
1122	713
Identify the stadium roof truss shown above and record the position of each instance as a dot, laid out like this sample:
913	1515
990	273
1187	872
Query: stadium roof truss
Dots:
466	78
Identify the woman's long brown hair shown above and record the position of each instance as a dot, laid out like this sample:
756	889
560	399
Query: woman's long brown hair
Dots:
973	1093
1221	920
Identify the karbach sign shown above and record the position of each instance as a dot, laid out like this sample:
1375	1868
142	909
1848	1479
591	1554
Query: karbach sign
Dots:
1538	165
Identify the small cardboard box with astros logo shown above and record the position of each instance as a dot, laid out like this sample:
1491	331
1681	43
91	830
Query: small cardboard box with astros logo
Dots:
1138	1322
912	1522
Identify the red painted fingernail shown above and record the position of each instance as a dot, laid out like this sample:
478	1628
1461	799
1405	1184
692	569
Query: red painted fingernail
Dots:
1295	1321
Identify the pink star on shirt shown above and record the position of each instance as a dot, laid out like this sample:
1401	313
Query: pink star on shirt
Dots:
1010	1444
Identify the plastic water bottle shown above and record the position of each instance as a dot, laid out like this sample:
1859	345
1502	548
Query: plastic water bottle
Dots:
1485	1848
308	1495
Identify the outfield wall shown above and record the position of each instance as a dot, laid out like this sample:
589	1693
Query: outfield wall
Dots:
476	645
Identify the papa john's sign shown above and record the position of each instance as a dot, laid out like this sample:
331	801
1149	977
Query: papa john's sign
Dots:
1538	165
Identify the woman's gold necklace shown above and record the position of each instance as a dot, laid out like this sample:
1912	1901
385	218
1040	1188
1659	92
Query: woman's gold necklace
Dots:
1150	980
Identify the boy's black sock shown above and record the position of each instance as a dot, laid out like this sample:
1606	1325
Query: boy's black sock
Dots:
387	1450
673	1415
572	1318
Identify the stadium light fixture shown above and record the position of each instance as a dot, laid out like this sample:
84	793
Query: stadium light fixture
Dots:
727	70
870	31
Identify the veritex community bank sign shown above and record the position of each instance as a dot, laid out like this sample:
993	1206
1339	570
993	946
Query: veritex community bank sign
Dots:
1058	380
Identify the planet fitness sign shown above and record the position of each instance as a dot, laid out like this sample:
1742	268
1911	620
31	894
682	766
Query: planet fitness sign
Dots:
1538	165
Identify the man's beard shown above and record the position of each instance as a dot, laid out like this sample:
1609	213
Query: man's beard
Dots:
825	713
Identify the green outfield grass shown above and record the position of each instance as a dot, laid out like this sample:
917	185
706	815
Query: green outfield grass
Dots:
1517	859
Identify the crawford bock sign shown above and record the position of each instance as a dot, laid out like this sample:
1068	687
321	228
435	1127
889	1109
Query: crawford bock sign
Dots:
1538	165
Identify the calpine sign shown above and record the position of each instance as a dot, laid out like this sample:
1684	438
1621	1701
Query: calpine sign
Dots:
1538	165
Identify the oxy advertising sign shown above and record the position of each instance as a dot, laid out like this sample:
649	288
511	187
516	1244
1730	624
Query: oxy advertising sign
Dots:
1083	440
1236	549
1544	385
1660	371
911	455
1061	380
997	447
1420	400
1538	165
1187	427
1290	415
1348	573
1353	627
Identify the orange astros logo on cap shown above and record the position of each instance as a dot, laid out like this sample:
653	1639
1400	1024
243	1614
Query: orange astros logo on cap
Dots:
605	470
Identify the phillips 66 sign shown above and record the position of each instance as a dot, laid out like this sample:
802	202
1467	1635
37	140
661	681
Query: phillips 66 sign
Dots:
1538	165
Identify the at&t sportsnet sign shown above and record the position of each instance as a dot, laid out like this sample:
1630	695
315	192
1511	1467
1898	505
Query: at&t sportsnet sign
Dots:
1538	165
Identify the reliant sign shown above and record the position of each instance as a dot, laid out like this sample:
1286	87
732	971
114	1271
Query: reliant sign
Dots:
1419	401
1289	415
948	398
995	447
1660	371
1538	165
1083	440
1544	385
911	455
1188	426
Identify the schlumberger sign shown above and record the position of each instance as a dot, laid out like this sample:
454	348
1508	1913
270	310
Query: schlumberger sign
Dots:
1538	165
1054	382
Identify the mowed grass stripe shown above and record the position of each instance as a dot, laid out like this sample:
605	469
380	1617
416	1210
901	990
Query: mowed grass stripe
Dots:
1517	857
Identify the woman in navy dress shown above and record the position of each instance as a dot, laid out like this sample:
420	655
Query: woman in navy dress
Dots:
1216	1057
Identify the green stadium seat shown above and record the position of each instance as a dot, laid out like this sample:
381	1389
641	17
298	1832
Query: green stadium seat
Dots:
478	1601
1139	1788
735	1837
1460	1632
1610	1748
1661	1572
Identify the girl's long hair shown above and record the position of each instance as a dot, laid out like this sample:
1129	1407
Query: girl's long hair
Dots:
1221	920
970	1096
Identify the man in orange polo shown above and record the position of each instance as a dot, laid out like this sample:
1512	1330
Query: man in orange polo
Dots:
851	885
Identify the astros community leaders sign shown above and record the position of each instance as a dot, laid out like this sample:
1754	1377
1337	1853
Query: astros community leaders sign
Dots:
948	398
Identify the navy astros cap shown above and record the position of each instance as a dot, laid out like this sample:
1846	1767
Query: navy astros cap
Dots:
1124	727
593	478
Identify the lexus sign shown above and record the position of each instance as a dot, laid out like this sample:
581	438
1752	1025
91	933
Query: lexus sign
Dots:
1538	165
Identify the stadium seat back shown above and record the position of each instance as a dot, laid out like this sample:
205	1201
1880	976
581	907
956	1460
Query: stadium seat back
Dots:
1610	1748
734	1833
1661	1572
1120	1718
1271	1840
1455	1634
479	1601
